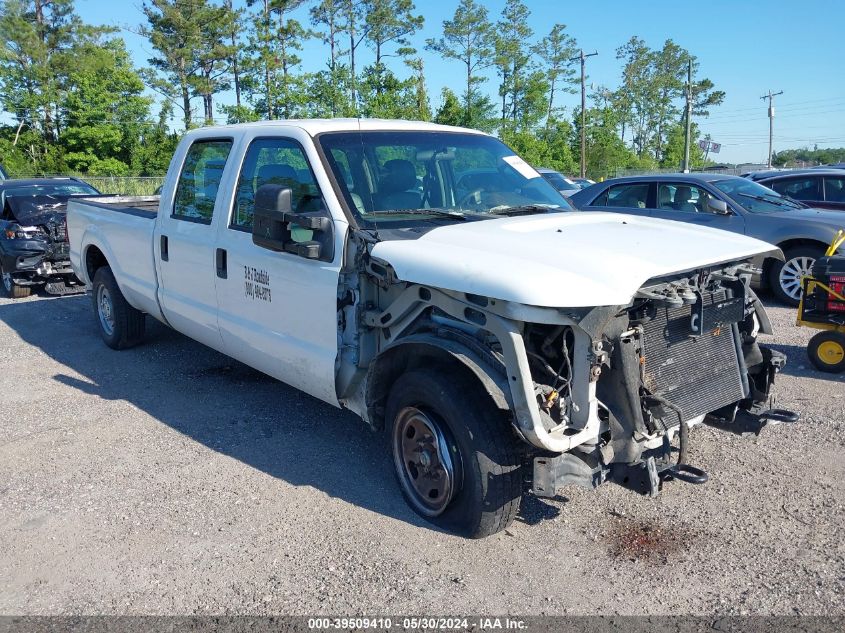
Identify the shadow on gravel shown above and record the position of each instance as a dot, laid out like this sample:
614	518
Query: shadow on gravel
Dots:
219	402
798	364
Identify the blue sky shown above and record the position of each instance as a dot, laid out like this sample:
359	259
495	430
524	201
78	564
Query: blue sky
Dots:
745	48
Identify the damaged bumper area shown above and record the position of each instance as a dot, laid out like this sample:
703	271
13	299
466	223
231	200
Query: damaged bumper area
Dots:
684	352
38	255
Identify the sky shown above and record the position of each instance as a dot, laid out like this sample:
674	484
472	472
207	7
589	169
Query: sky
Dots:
746	48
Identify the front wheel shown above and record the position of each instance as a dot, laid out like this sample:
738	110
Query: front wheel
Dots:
121	325
785	277
13	290
456	458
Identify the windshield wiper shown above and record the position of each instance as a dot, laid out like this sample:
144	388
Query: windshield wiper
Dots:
443	213
526	209
781	202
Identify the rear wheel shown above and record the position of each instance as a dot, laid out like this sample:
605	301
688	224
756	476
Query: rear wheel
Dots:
785	276
120	324
456	458
11	289
827	351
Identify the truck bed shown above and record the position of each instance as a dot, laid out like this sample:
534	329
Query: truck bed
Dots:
122	228
143	206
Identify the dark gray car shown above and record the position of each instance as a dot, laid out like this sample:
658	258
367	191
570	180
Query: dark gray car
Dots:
730	203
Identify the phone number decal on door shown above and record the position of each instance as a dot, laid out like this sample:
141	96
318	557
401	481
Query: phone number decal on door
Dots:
257	284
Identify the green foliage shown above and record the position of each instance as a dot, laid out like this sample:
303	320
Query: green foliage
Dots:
806	156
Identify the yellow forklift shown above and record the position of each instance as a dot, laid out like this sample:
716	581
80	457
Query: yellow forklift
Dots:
823	307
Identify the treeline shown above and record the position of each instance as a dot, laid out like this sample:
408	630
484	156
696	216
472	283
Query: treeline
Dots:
808	157
78	104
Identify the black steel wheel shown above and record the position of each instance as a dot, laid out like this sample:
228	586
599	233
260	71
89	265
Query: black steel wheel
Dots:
456	458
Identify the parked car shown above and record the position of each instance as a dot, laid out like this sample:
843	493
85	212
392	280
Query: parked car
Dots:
820	188
496	339
583	182
731	203
33	234
560	182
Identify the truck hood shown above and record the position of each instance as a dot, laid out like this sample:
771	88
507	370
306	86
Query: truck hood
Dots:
561	259
35	210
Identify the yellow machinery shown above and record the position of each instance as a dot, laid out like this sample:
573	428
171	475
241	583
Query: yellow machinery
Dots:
823	307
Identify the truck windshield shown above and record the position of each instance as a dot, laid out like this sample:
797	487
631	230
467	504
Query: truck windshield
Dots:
442	176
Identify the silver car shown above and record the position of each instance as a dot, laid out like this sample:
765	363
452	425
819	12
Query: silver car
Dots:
730	203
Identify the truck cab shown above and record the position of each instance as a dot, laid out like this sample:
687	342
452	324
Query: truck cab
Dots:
432	282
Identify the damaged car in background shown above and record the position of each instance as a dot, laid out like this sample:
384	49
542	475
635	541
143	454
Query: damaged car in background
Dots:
432	282
33	234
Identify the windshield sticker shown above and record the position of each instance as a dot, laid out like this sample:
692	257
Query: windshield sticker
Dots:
521	166
257	284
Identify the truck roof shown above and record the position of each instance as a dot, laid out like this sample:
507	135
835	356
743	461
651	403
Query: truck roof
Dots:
318	126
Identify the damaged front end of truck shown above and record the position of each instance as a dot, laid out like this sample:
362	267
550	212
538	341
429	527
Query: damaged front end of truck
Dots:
605	393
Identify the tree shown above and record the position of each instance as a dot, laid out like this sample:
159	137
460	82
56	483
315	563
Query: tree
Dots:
389	22
450	111
557	50
214	57
331	14
469	38
513	59
104	112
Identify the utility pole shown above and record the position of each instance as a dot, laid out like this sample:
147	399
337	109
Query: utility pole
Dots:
688	116
771	97
583	59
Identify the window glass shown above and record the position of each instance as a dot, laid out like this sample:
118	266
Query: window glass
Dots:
629	196
199	181
559	182
754	197
276	161
417	176
74	189
683	197
806	188
834	188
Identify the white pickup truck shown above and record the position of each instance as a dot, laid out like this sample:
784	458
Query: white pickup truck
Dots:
432	282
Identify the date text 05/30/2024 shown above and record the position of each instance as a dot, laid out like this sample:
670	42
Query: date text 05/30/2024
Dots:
417	623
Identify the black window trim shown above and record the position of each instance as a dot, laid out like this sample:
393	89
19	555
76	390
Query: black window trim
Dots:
269	137
209	139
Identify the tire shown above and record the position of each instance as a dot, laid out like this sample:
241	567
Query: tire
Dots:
827	351
11	289
784	277
121	326
455	426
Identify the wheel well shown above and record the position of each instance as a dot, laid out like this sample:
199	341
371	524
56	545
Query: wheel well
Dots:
784	246
94	259
405	357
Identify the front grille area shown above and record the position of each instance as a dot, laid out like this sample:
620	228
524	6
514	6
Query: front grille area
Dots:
698	374
57	232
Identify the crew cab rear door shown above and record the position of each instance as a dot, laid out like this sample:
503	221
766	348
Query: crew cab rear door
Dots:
278	310
185	238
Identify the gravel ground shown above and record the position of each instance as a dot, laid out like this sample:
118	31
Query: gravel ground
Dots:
169	479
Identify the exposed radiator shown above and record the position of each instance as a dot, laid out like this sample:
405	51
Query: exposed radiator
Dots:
698	374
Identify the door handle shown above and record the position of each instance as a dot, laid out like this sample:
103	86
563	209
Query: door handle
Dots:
164	254
220	262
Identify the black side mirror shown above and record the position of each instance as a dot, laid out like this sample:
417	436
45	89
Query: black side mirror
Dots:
719	207
272	221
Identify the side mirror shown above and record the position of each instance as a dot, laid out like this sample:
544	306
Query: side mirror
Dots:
719	207
272	220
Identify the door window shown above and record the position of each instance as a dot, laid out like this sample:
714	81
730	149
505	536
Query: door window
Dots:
806	188
628	196
199	181
834	188
683	197
276	161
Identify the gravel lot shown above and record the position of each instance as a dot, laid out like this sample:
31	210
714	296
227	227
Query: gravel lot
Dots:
169	479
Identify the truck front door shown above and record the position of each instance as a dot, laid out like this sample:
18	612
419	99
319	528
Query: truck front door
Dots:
277	310
185	241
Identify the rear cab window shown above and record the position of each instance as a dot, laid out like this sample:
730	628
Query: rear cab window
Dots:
199	180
